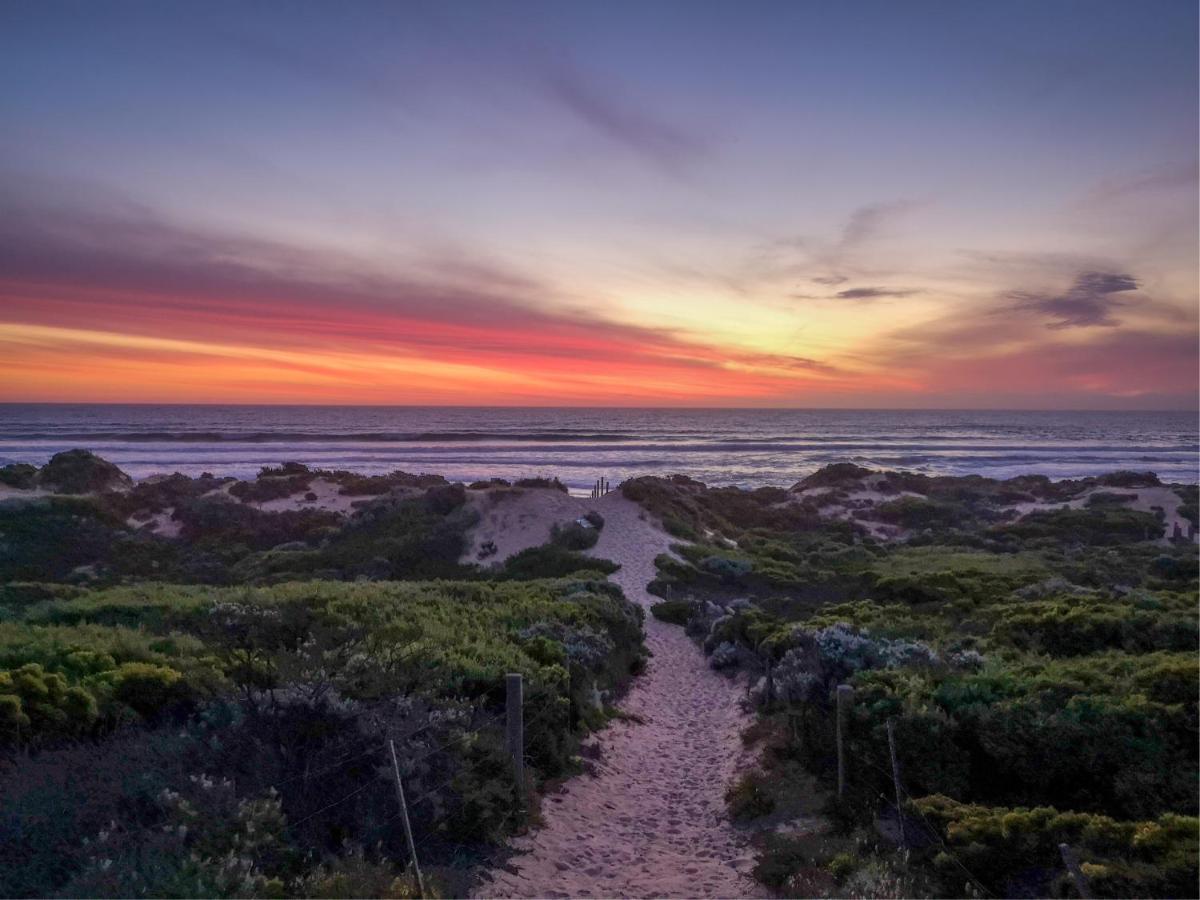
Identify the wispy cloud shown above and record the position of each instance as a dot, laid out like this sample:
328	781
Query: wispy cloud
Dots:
1167	177
613	114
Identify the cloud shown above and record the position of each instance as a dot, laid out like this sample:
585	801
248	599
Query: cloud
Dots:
1168	177
614	116
869	222
874	293
1088	303
138	277
863	226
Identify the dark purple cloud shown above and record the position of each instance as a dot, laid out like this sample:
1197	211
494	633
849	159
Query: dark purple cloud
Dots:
1088	303
874	293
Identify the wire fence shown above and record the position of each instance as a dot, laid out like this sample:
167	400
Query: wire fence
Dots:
438	769
911	821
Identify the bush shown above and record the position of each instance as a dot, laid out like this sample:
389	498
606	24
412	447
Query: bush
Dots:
81	472
539	482
1004	847
750	797
1102	525
551	561
674	612
18	475
574	536
265	489
148	688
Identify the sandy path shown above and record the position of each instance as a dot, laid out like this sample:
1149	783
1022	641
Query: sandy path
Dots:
651	822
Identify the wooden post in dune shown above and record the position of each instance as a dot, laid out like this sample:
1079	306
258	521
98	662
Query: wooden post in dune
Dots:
891	733
1071	861
845	696
515	732
769	685
408	835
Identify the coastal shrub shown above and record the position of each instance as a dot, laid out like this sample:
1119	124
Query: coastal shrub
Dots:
306	682
18	475
728	570
540	482
574	536
917	513
674	612
50	538
158	494
231	529
1068	627
355	485
833	475
552	561
1009	846
407	538
749	797
1189	507
1109	498
1127	479
81	472
1103	525
271	487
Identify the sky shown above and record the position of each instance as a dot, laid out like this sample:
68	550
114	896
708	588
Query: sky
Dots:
801	204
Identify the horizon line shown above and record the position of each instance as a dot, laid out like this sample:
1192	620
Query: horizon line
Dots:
514	406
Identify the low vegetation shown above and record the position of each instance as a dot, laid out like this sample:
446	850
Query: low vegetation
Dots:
207	713
1039	668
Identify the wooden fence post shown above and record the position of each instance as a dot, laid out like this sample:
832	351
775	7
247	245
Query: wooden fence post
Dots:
515	732
769	685
896	782
845	695
1071	861
408	835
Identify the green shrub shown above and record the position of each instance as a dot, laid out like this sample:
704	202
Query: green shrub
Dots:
674	612
1102	526
1004	846
551	561
539	482
750	797
18	475
81	472
574	536
147	688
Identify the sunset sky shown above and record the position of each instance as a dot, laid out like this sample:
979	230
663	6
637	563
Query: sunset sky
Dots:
953	204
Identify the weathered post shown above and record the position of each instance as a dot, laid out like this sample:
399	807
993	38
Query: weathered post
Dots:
845	696
1177	533
515	732
1071	861
891	732
769	685
408	835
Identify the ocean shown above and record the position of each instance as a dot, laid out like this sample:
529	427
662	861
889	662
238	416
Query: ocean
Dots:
744	447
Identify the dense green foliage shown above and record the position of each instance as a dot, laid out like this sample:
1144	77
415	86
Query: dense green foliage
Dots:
207	714
1045	661
270	683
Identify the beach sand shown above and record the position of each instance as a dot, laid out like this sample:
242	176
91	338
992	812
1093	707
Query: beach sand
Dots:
650	820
